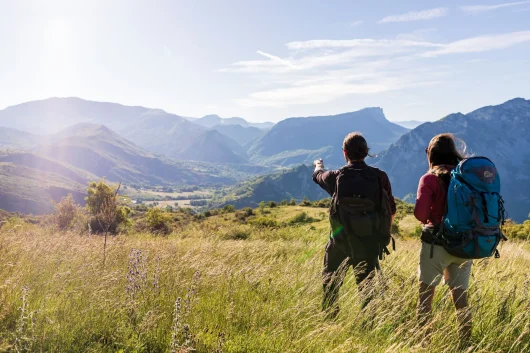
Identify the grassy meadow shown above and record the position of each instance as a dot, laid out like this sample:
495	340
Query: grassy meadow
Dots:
218	285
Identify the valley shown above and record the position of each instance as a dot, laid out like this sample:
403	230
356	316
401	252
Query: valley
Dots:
232	160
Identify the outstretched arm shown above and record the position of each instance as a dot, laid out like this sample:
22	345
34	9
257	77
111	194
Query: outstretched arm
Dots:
326	179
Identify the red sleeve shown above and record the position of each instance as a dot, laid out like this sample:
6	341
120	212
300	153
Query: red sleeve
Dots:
424	198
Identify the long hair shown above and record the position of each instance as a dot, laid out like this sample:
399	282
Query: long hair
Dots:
442	151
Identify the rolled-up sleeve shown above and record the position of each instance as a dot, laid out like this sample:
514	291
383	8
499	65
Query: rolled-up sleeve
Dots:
424	200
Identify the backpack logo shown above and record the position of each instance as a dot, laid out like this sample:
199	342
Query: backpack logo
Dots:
488	174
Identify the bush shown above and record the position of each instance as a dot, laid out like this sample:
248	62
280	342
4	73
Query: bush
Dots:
236	234
66	213
272	204
514	230
324	203
243	214
158	221
228	209
305	202
207	214
264	222
262	206
301	218
284	203
292	202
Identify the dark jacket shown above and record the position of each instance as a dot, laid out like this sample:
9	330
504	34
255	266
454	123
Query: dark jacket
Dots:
328	181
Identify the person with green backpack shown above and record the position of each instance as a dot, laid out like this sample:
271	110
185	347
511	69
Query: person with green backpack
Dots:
459	203
361	213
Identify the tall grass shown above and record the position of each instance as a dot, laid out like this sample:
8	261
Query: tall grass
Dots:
200	290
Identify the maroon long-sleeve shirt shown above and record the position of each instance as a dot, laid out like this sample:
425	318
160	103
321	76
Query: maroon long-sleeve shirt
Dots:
431	199
328	181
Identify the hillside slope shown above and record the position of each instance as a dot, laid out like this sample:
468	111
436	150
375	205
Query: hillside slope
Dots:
212	146
295	183
500	132
299	140
30	190
18	139
100	151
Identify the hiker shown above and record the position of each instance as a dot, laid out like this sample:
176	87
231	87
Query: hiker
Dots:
361	213
430	208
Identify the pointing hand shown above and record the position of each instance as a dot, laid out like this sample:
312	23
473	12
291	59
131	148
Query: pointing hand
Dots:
318	164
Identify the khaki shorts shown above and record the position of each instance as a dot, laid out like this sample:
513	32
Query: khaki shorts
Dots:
455	271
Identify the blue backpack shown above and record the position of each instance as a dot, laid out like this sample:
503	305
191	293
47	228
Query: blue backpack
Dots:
475	210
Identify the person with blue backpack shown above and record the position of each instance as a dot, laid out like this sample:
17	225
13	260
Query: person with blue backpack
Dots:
459	203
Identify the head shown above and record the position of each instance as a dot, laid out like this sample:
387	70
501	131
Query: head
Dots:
355	147
442	150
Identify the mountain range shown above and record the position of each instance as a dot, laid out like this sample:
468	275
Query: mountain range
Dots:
501	133
302	140
55	146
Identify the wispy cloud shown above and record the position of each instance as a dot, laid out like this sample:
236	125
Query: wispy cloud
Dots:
474	9
319	71
481	44
277	59
417	15
356	23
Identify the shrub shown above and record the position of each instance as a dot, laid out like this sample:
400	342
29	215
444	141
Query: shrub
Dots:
324	203
228	209
66	212
305	202
292	202
284	203
262	206
236	234
272	204
264	222
158	221
300	219
207	214
243	214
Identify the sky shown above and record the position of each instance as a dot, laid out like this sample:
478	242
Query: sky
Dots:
268	60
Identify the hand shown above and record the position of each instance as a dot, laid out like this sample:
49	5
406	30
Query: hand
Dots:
318	164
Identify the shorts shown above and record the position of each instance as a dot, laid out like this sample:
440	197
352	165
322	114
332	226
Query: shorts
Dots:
454	270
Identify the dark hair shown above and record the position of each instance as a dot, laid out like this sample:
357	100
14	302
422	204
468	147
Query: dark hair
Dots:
355	146
442	150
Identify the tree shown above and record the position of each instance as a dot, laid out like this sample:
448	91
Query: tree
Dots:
65	213
262	206
102	203
292	202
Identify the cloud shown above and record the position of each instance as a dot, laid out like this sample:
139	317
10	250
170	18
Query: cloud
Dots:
277	59
357	43
484	8
322	70
417	15
481	44
356	23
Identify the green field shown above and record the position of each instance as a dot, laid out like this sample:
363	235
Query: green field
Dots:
218	285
